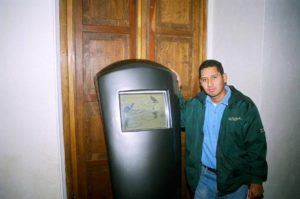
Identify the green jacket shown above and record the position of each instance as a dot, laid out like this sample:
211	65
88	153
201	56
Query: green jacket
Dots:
241	148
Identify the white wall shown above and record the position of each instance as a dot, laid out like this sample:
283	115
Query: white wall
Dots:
31	157
281	94
235	35
258	43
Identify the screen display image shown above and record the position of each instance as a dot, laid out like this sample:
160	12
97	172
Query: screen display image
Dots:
144	110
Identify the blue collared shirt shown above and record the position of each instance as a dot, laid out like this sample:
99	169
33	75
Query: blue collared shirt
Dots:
213	117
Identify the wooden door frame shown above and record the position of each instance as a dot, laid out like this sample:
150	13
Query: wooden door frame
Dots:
67	64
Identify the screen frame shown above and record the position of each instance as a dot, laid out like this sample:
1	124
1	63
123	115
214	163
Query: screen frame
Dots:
166	109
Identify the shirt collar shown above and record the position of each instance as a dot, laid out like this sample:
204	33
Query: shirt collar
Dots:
225	99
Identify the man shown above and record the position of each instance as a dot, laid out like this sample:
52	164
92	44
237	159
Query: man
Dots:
225	139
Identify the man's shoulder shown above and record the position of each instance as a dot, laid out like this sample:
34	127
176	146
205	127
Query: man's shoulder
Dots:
197	100
238	96
200	97
241	103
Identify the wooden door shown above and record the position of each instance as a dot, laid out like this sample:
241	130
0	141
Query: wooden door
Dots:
96	33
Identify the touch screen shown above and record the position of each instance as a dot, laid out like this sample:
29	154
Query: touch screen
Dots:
144	110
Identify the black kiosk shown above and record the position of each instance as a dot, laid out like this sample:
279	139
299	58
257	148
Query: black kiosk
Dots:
140	111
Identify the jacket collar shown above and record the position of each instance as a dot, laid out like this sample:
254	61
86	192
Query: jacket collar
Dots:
236	95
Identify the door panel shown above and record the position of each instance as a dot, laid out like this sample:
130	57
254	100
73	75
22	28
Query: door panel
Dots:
174	14
176	37
177	40
106	12
100	50
105	32
98	178
100	32
176	52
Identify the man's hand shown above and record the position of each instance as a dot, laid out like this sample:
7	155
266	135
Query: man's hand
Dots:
255	191
178	77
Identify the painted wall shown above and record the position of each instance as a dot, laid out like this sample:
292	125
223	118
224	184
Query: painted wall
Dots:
258	43
235	37
281	96
31	157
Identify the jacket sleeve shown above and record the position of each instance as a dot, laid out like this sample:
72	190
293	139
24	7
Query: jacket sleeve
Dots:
256	146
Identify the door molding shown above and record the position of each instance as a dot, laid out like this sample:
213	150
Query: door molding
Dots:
67	63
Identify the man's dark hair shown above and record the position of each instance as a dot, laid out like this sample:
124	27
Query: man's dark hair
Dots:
211	63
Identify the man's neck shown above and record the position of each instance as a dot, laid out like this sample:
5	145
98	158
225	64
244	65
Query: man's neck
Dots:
217	99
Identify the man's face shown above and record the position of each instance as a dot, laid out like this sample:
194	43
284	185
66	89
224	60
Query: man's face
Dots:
213	83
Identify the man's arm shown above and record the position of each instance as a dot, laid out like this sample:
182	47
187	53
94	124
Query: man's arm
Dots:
181	100
256	151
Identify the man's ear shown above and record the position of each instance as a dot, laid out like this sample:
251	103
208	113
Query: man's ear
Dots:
225	78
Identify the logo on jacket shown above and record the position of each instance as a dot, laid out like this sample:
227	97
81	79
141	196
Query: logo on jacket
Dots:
234	119
261	130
